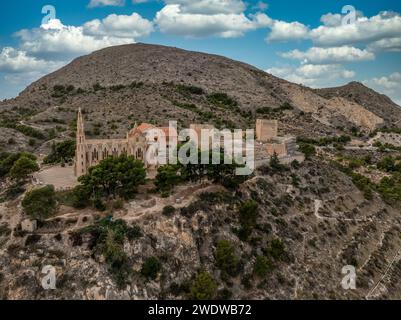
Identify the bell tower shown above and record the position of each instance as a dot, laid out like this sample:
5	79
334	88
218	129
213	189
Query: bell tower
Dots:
80	151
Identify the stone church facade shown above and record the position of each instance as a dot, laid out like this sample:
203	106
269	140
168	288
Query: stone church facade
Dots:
90	152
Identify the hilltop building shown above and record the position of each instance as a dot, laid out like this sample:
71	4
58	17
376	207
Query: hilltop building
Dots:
268	142
89	152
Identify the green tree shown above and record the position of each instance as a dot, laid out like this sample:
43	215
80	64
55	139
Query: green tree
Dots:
226	259
80	196
387	164
390	189
61	152
151	268
277	249
40	203
7	161
204	287
23	167
168	177
307	149
262	266
115	177
248	213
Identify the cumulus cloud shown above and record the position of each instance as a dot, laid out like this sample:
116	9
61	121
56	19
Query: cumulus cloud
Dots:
173	19
55	40
389	44
119	26
52	45
318	55
364	30
380	31
284	31
209	7
16	61
103	3
317	76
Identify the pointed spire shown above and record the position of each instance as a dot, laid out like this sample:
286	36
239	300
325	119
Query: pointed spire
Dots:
80	127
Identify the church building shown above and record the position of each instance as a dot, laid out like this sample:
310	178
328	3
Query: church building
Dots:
90	152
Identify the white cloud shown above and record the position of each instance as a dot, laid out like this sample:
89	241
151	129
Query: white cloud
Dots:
318	55
18	68
382	31
209	7
364	30
16	61
103	3
284	31
389	85
60	42
317	76
389	44
120	26
52	45
173	20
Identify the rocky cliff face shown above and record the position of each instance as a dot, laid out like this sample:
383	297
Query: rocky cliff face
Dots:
322	220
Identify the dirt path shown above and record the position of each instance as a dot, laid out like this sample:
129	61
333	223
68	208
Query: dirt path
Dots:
396	257
182	198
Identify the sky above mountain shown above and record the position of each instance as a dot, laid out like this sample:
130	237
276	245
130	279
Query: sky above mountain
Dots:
318	43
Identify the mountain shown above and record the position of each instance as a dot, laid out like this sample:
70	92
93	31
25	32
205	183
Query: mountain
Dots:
148	83
377	103
285	233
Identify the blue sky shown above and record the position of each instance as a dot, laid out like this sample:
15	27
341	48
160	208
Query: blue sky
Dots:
314	44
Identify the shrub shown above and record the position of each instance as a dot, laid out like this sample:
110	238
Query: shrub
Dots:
13	192
390	189
204	287
168	211
185	89
248	212
151	268
222	100
8	160
61	152
108	237
226	259
307	149
277	249
23	167
275	164
40	203
30	131
262	266
387	164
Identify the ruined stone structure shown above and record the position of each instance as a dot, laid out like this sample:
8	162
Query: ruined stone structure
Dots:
266	130
270	142
89	152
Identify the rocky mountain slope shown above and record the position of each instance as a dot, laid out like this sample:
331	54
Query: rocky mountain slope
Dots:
312	220
322	223
379	104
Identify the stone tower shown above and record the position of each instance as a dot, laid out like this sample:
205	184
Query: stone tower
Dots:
266	130
80	152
